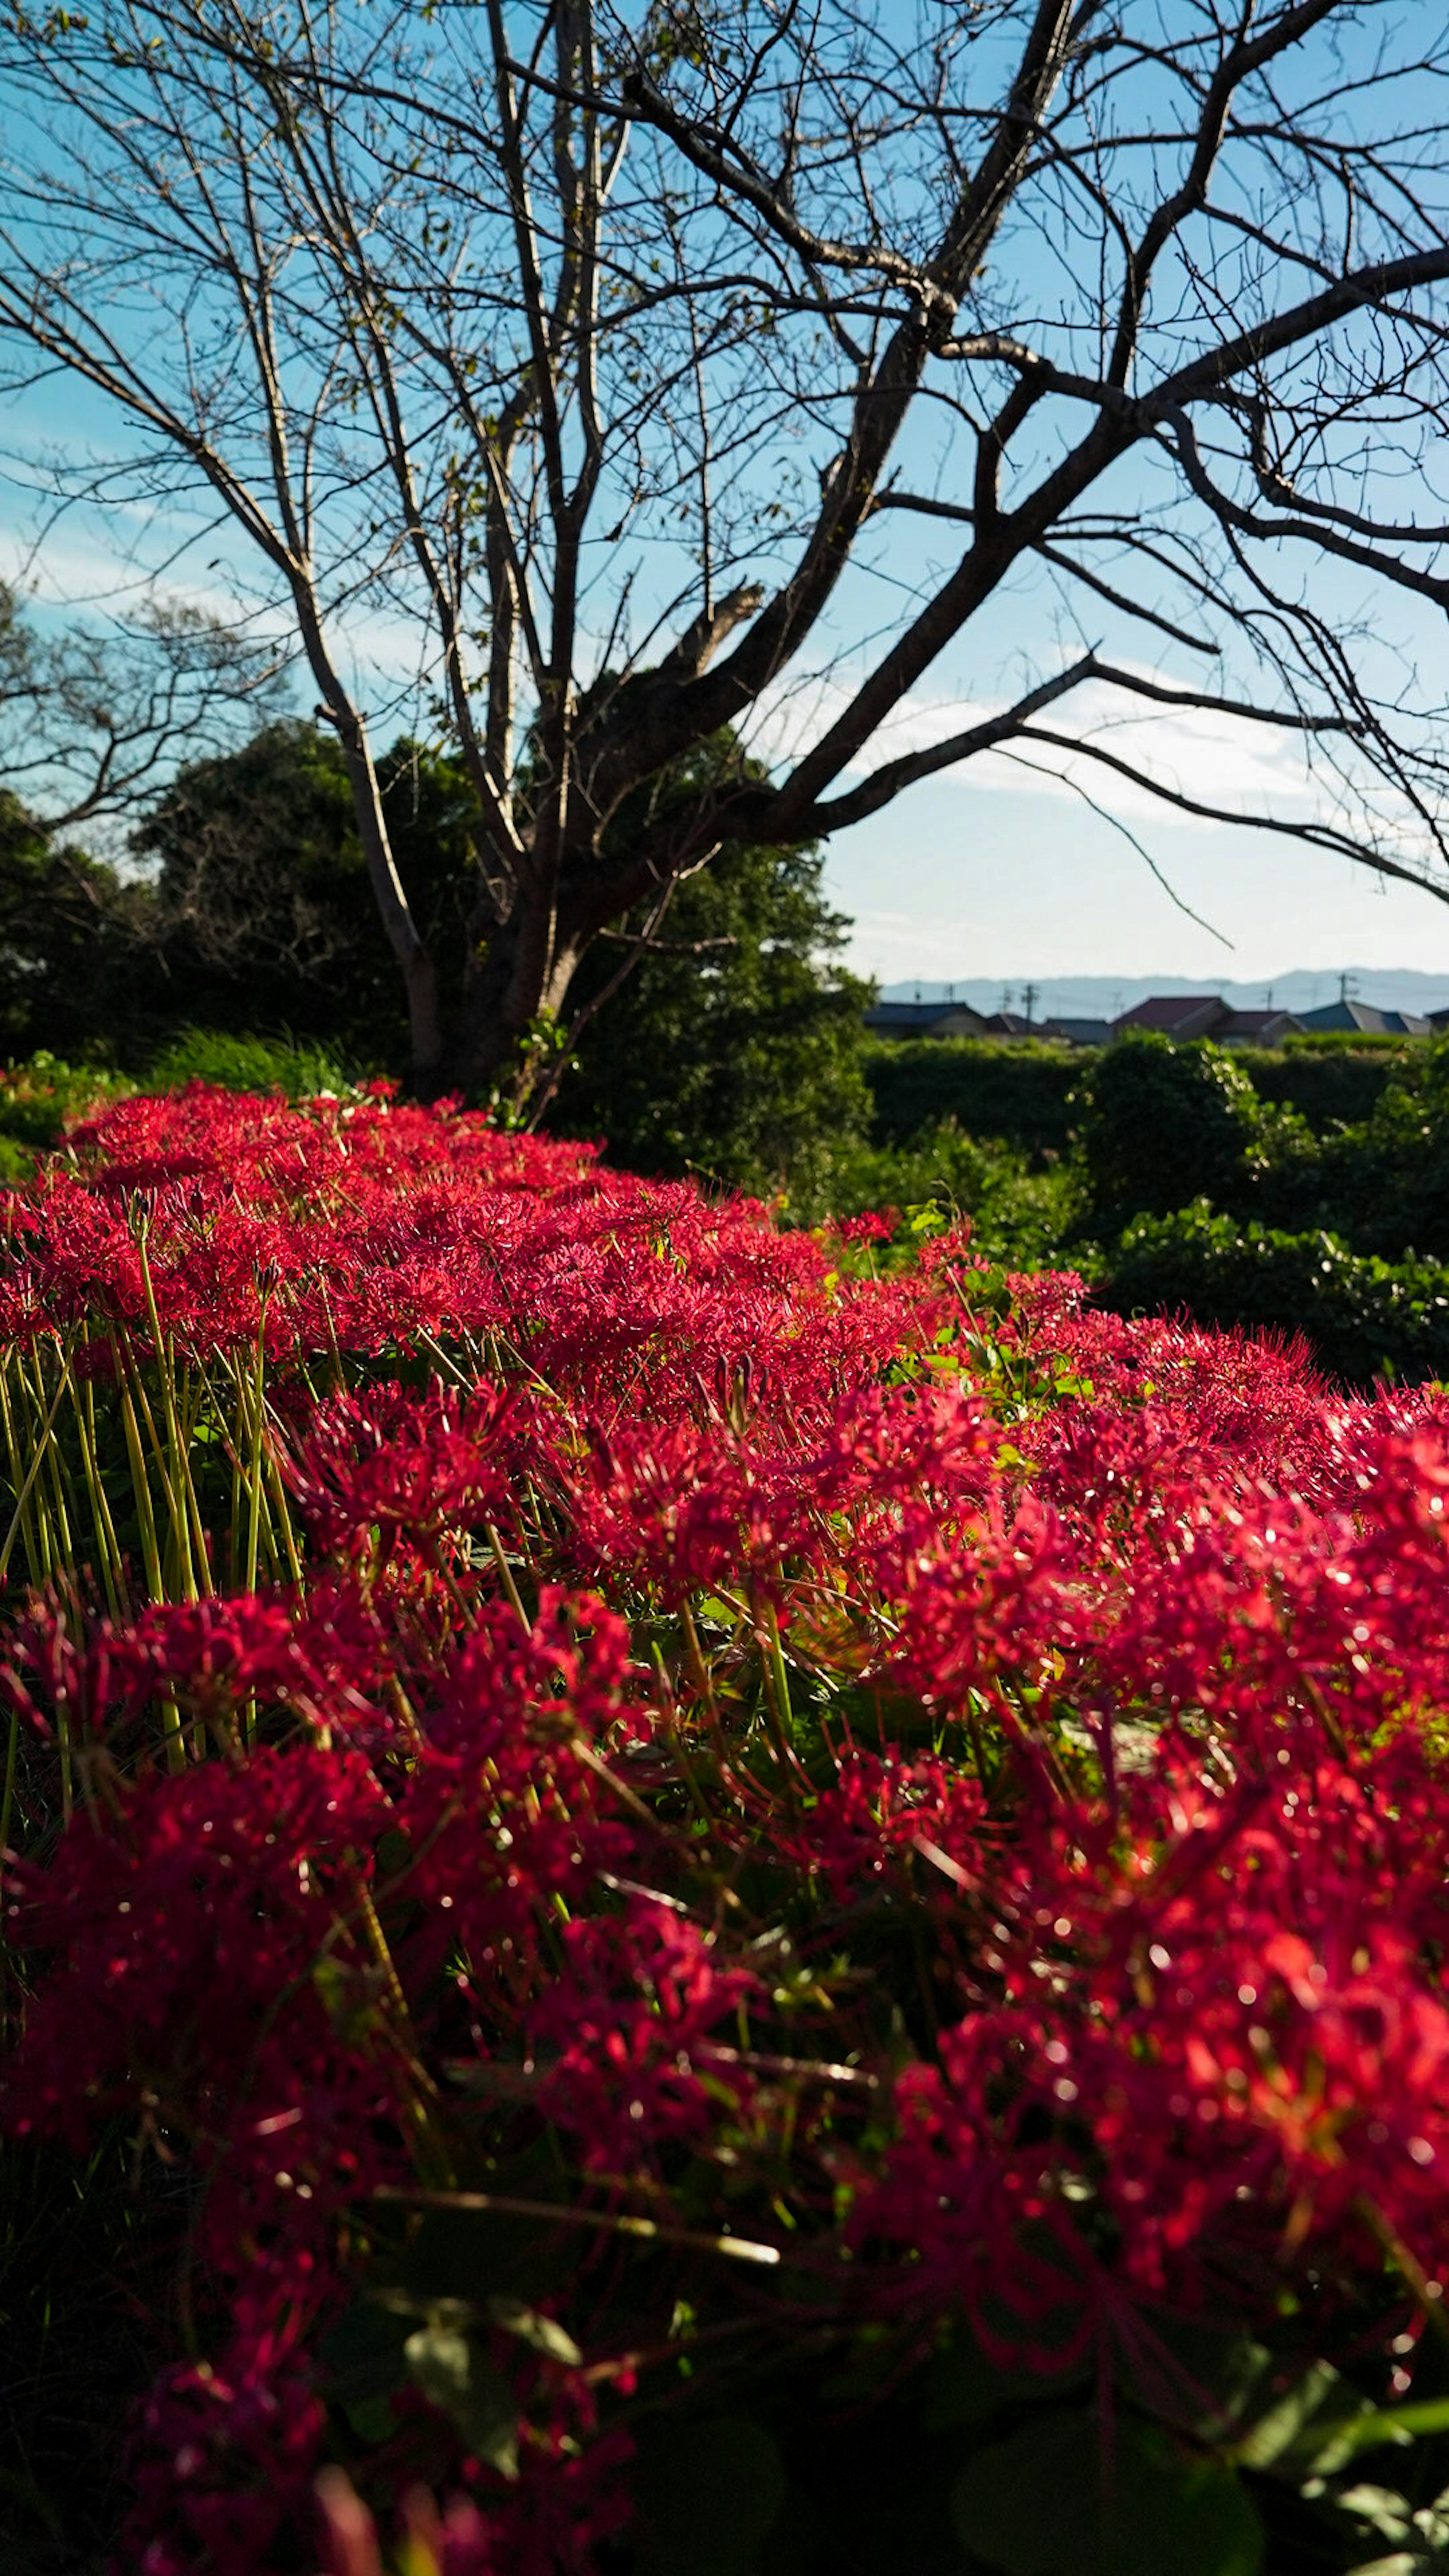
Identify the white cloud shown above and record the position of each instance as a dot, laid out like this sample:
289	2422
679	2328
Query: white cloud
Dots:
1219	760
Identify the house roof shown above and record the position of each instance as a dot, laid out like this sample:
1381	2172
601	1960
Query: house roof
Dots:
1079	1032
926	1019
1369	1021
1178	1015
1256	1028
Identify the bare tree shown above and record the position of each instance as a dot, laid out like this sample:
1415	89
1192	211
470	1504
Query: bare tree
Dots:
624	367
93	717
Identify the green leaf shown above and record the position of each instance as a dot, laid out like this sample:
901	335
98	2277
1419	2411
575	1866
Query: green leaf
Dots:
457	2379
928	1218
540	2333
1325	2446
1384	2510
707	2494
1058	2500
1199	2377
1269	2443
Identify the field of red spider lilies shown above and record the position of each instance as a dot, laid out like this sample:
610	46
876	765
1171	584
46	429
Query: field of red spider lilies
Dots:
709	1902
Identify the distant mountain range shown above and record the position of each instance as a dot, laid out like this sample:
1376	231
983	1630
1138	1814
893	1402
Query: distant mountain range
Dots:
1102	997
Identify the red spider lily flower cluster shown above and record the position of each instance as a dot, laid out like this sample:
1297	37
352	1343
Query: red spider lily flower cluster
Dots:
779	1793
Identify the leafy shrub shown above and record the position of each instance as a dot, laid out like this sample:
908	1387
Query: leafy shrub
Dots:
259	902
1022	1091
734	1049
1363	1318
239	1061
40	1098
1164	1124
1330	1081
77	973
1018	1093
1387	1180
1021	1210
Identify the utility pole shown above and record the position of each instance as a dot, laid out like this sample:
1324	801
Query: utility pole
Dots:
1028	1001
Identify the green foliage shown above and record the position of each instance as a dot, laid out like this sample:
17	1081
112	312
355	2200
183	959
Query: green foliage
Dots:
263	909
1021	1214
1228	1206
1019	1091
1365	1318
734	1049
1331	1082
1063	2498
454	2371
73	971
41	1097
1162	1124
1388	1178
238	1061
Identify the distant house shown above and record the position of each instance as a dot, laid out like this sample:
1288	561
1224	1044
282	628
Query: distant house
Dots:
958	1020
1371	1023
1011	1024
927	1020
1079	1032
1181	1016
1256	1028
1177	1015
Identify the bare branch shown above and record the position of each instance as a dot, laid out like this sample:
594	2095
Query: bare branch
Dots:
594	391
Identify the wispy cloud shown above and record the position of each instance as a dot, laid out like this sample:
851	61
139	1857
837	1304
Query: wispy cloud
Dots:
1214	759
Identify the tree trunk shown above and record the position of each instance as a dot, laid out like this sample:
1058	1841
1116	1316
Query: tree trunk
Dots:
505	989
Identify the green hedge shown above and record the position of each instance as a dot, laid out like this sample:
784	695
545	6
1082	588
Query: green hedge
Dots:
38	1098
1021	1090
1018	1091
1364	1318
1331	1082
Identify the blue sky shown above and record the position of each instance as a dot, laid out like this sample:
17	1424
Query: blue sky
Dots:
964	880
986	871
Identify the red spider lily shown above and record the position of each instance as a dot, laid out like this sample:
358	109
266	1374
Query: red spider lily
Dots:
949	1811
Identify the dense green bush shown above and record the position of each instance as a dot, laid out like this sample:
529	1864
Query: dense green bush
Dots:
1021	1089
1332	1081
262	912
1364	1318
238	1061
43	1095
77	976
1163	1124
1018	1090
1387	1179
39	1098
